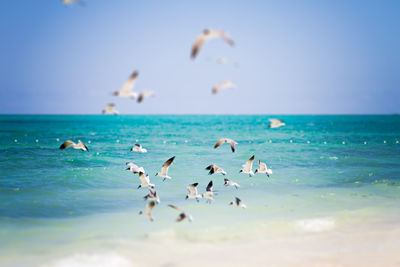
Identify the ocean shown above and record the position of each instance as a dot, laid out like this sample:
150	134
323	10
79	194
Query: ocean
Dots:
335	189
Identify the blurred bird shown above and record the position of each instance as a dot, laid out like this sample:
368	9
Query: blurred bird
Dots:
206	35
138	148
227	84
164	169
126	90
224	60
276	123
134	168
238	203
262	168
248	166
182	215
70	2
144	94
215	169
80	145
226	140
110	109
145	180
152	195
192	188
231	183
209	192
147	212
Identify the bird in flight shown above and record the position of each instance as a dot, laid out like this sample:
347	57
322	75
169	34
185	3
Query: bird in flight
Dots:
164	169
262	168
226	140
215	169
110	110
80	145
227	84
182	215
276	123
248	166
206	35
147	212
126	90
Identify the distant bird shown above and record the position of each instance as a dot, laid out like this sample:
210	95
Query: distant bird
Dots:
262	168
134	168
164	169
110	110
215	169
248	166
226	140
182	215
80	145
206	35
126	90
227	84
147	212
231	183
152	195
238	203
224	60
70	2
145	180
144	94
209	192
138	148
192	188
276	123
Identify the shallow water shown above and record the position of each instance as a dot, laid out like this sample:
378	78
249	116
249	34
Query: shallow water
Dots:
329	173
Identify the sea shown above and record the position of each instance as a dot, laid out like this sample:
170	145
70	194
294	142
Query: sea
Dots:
333	176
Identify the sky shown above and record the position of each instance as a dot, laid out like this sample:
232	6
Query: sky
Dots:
294	57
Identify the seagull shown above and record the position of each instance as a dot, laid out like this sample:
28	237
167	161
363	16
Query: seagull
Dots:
209	192
164	169
152	195
144	94
276	123
69	2
262	168
145	180
126	90
134	168
224	60
192	188
80	145
226	140
215	169
110	109
231	183
247	168
206	35
182	214
227	84
138	148
147	212
238	203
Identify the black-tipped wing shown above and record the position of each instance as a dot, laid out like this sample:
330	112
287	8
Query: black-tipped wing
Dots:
66	144
209	186
168	162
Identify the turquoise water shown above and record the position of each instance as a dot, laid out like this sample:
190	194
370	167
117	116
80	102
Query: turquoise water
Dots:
53	202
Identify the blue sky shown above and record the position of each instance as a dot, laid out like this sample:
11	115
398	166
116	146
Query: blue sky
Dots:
295	57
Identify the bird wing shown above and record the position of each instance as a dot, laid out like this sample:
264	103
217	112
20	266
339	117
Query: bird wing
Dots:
227	84
192	188
128	85
144	179
223	35
275	122
262	166
198	43
249	164
209	186
149	207
174	207
168	162
66	144
237	201
232	144
152	191
144	94
210	167
82	144
220	142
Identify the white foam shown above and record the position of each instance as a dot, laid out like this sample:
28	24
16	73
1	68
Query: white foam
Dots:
92	260
315	225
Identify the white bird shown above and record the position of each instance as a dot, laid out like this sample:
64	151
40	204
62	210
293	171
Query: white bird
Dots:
226	140
70	2
231	183
182	215
80	145
126	90
147	212
262	168
227	84
276	123
206	35
164	169
110	110
138	148
152	195
215	169
144	94
209	192
224	60
134	168
238	203
145	180
192	188
248	166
